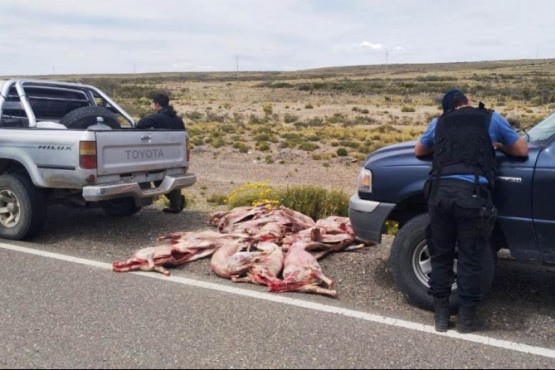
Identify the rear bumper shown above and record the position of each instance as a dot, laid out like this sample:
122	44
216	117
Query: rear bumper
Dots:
368	217
132	189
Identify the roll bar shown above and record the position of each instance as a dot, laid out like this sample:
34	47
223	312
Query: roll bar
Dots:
19	84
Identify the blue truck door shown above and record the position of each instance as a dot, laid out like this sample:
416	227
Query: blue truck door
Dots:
513	199
543	199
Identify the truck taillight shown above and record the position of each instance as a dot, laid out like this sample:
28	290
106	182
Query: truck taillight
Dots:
87	154
188	150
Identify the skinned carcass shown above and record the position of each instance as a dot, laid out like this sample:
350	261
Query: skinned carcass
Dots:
180	249
250	219
231	262
302	273
226	220
152	259
267	268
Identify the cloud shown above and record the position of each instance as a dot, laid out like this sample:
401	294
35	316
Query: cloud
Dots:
369	45
94	36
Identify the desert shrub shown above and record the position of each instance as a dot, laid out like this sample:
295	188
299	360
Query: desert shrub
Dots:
342	152
315	121
255	120
288	144
265	129
238	118
194	116
267	108
308	106
308	147
391	227
214	117
313	201
293	136
263	146
266	137
243	148
386	128
249	194
218	199
228	128
337	118
269	159
536	101
359	156
197	140
281	85
290	118
312	138
348	143
407	109
217	142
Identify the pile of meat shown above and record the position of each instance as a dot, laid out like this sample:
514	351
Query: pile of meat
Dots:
266	245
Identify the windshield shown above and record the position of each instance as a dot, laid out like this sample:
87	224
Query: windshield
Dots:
543	130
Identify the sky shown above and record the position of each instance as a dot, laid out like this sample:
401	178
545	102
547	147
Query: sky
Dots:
44	37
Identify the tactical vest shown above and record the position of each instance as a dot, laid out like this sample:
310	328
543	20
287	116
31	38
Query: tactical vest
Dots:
463	145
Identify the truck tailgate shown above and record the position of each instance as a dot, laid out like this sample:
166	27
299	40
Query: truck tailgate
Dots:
132	151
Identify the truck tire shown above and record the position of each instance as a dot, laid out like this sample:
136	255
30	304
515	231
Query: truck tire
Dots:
81	118
411	266
22	207
121	207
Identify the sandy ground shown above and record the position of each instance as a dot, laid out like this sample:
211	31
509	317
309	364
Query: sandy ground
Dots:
221	171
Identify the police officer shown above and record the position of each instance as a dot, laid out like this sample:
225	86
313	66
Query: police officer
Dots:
463	142
165	118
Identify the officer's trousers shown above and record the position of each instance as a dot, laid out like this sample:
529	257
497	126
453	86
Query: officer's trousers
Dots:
457	229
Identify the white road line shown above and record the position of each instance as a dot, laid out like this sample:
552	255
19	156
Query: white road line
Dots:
513	346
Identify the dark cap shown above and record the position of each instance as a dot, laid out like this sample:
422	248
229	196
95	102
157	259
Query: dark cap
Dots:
452	99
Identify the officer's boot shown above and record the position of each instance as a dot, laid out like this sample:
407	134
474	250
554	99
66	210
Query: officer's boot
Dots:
441	313
469	321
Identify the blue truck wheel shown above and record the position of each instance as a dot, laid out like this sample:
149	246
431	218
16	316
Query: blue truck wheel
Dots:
411	266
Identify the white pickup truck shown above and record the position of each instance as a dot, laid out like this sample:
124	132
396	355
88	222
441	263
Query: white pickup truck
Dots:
70	143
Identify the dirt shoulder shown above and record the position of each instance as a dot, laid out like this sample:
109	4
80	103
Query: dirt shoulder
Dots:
221	171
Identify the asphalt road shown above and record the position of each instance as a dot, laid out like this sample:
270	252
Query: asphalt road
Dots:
75	314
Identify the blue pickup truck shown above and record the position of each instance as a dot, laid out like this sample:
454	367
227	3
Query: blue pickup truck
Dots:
390	188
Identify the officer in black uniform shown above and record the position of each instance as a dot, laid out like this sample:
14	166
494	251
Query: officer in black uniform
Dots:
463	141
165	118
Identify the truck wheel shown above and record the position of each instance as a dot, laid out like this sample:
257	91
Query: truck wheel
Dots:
121	207
22	207
411	265
81	118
